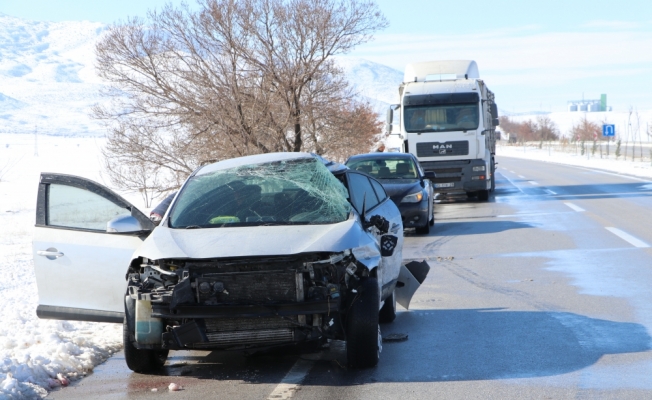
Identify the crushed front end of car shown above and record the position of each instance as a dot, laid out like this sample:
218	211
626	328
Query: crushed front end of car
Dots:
258	255
242	303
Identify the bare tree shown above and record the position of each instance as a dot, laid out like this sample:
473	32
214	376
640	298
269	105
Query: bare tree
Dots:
236	77
586	130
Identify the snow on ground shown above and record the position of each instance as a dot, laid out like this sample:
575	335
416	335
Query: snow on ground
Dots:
37	355
47	76
570	157
628	125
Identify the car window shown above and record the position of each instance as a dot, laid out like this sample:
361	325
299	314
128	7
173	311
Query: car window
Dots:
362	191
390	168
73	207
380	191
290	192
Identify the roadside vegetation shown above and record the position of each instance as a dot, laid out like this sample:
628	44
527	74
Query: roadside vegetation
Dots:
231	78
631	143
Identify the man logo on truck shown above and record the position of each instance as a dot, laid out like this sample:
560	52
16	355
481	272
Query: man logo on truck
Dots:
441	147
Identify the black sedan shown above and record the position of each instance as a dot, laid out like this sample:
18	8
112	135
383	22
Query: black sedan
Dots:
406	184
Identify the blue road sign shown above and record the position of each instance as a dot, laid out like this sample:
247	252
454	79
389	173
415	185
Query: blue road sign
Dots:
609	130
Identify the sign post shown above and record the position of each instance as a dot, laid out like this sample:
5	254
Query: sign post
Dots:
608	131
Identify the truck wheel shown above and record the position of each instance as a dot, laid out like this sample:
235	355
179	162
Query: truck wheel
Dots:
387	314
362	330
140	360
483	195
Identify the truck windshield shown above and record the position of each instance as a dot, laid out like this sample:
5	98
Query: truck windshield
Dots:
441	118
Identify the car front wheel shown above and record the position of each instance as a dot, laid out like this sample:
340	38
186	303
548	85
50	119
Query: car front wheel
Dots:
363	343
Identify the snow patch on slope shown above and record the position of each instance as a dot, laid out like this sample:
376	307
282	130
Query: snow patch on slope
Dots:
48	70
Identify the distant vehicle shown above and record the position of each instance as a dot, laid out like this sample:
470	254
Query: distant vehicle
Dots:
253	252
405	182
447	119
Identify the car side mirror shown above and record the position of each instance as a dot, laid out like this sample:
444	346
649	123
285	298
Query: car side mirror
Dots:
429	175
124	224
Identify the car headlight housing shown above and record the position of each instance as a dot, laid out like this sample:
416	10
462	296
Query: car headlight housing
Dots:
413	198
479	168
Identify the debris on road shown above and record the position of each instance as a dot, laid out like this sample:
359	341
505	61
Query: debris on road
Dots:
174	387
395	337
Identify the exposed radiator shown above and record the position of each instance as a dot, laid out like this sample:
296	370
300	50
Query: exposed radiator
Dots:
266	336
255	287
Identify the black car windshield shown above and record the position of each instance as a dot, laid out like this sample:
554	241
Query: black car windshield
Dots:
289	192
441	118
386	168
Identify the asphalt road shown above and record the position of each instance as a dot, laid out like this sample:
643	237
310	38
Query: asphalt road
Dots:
542	292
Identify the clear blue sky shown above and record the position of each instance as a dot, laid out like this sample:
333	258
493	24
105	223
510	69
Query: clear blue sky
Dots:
533	54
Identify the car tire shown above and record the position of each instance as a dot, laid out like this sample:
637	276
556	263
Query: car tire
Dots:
387	314
483	195
363	342
141	361
423	230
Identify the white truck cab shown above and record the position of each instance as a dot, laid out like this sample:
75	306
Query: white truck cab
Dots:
447	118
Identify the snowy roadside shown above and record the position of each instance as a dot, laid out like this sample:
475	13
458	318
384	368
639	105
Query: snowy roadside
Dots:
39	355
642	169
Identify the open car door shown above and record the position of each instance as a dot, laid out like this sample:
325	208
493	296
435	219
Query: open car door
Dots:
84	239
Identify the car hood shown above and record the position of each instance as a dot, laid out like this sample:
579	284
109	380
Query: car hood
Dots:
256	241
398	188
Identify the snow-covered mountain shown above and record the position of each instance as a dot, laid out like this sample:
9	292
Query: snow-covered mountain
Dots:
375	82
47	77
48	81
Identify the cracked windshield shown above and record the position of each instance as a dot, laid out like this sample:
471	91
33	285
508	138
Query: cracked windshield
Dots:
292	192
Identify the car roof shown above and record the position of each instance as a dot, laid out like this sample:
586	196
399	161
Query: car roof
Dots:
249	160
333	167
380	156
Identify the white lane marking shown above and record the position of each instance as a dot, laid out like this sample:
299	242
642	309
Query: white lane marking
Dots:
574	207
521	176
550	191
290	384
513	184
525	215
533	183
512	171
628	238
612	174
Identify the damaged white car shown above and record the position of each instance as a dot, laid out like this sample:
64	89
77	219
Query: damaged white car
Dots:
253	252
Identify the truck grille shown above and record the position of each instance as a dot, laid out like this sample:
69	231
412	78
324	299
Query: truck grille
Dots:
443	149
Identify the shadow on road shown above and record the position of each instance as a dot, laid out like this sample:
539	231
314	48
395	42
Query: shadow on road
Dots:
459	345
443	345
478	227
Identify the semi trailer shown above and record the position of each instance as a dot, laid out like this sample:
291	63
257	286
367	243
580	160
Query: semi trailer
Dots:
447	117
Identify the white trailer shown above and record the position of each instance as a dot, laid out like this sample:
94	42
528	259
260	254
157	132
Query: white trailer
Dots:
447	118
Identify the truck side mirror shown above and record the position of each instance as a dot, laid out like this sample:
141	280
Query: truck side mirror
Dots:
389	119
495	122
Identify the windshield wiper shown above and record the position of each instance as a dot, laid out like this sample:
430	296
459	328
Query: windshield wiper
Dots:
193	227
